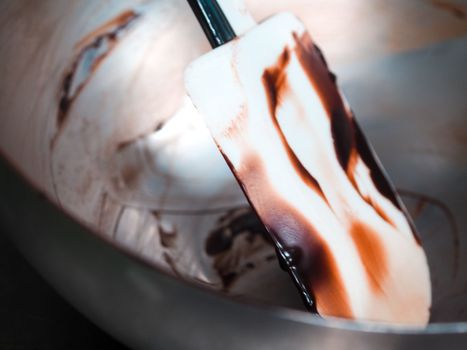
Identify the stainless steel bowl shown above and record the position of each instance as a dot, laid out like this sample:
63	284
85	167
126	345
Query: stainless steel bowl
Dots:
412	107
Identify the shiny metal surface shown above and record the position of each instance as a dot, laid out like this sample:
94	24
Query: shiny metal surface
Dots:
148	309
413	108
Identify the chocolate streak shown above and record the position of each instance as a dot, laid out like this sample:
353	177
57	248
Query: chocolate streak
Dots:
234	225
308	259
275	84
95	47
305	255
347	135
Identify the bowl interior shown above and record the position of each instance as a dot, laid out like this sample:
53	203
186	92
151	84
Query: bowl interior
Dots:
102	125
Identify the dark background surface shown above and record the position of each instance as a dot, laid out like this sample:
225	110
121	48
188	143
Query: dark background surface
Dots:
34	316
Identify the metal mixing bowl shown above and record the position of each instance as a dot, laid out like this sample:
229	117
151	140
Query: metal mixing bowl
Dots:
412	107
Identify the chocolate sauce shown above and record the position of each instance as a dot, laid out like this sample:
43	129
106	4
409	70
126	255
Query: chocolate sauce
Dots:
299	247
228	279
304	255
342	135
309	255
372	254
307	258
275	85
315	66
377	175
235	224
96	46
347	135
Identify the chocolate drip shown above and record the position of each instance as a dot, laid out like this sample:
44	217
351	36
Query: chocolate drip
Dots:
96	46
275	81
347	135
331	75
303	251
300	249
228	279
275	85
242	228
342	135
232	225
306	258
315	66
377	175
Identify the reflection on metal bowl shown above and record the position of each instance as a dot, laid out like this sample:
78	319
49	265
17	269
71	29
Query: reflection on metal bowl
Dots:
146	231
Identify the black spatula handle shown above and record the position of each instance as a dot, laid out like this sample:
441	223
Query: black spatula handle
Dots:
213	21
